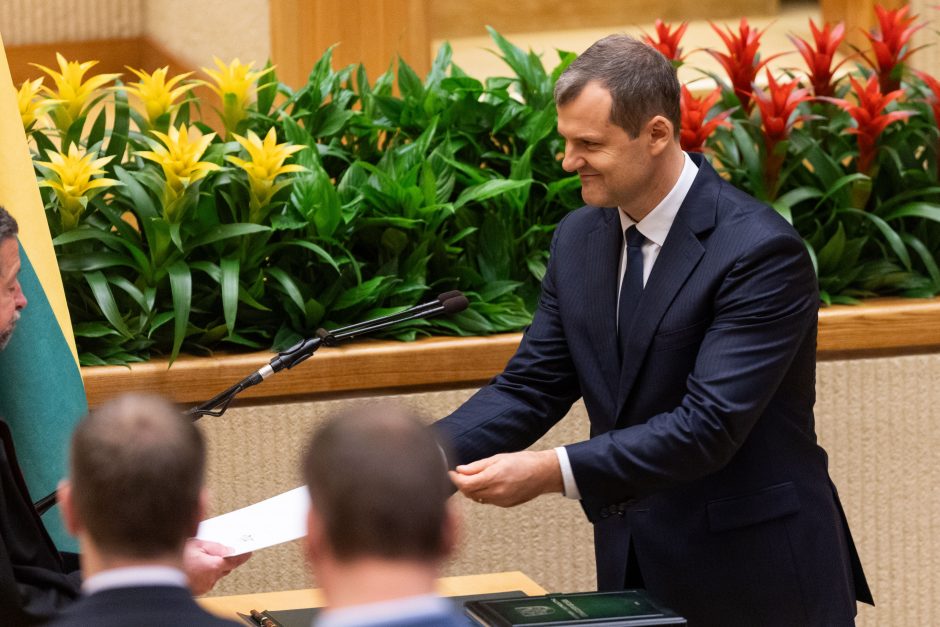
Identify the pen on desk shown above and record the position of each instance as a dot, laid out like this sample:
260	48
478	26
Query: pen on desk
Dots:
261	619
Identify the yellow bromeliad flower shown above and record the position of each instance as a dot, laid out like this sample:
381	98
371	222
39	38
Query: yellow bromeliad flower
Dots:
71	176
156	93
233	84
30	106
73	93
179	156
265	165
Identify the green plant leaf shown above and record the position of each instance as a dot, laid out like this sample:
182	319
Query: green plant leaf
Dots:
926	210
181	288
226	231
230	267
489	189
289	285
105	300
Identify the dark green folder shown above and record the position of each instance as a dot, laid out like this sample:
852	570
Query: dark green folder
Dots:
633	608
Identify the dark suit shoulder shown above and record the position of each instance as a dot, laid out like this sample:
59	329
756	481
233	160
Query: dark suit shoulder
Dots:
143	606
738	209
579	222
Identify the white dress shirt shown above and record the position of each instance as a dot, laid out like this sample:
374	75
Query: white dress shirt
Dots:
134	577
655	227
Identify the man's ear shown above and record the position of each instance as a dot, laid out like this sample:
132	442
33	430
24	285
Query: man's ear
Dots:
202	507
450	535
313	543
661	134
67	507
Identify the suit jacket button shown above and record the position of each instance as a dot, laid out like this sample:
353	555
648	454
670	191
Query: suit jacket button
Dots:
605	512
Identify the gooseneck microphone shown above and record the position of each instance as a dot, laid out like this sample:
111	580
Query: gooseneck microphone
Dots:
447	303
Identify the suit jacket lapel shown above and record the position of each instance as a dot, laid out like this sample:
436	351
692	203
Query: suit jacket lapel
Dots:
679	256
603	247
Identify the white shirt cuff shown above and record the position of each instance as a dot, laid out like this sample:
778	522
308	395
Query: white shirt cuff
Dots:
567	476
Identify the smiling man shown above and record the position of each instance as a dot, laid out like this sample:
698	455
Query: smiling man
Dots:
684	313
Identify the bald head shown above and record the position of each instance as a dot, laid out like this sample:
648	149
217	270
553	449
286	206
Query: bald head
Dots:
137	468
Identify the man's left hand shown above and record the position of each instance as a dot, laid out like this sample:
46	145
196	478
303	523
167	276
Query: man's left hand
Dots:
205	563
509	479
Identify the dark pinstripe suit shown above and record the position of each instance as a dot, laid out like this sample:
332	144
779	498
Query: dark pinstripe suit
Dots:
703	449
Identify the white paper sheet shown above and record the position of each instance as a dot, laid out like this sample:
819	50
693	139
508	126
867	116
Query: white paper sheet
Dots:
281	518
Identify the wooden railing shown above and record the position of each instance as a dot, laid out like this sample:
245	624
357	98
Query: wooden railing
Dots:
878	327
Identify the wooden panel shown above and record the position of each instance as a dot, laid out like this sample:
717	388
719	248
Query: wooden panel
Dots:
112	55
467	18
859	18
894	325
372	32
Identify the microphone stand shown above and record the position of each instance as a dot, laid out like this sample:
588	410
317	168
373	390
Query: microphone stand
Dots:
448	302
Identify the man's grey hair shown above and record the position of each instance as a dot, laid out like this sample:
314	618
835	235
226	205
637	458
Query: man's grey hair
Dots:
641	81
8	226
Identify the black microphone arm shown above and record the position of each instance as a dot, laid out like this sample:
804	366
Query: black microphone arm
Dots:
447	303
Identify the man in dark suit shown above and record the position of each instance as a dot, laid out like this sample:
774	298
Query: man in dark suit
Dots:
134	496
684	313
380	524
36	580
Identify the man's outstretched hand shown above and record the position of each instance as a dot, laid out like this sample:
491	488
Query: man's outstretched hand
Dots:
509	479
205	563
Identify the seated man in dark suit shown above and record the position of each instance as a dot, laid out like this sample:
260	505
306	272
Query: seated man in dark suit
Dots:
36	581
134	496
380	524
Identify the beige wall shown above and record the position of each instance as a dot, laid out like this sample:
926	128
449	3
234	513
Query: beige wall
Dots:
49	21
195	30
877	418
928	57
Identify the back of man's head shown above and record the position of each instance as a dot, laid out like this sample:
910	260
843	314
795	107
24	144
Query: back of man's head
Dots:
137	467
379	485
641	81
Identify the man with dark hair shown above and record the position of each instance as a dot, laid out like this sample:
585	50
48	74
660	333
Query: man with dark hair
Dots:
380	524
134	496
36	581
684	313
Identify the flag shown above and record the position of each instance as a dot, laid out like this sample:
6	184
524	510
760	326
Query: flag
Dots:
42	396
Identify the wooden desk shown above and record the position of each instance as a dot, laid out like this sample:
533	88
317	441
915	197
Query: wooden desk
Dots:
297	599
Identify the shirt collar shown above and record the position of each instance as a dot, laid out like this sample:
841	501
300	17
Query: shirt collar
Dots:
133	577
385	611
656	224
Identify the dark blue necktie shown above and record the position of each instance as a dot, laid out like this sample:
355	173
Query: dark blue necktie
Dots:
632	286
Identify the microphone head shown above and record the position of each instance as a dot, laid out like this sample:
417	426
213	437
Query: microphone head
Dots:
448	295
455	304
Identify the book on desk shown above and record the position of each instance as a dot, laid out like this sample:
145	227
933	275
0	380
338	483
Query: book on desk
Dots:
629	608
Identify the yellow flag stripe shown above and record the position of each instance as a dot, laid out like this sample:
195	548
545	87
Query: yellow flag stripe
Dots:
19	194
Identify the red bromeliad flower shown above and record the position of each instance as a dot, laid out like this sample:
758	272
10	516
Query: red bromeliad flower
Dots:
870	118
890	43
934	86
778	115
819	57
694	129
742	63
667	40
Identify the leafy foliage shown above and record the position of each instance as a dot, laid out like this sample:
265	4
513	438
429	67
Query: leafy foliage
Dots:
205	241
363	199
